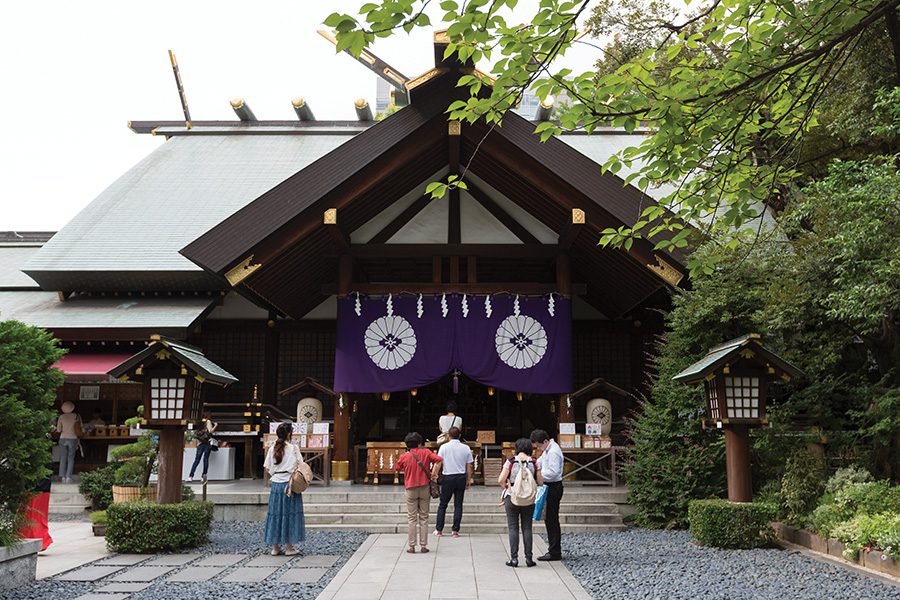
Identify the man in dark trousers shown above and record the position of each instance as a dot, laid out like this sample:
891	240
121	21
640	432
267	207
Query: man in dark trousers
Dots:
457	469
551	465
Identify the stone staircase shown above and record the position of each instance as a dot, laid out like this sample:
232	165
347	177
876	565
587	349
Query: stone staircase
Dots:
382	509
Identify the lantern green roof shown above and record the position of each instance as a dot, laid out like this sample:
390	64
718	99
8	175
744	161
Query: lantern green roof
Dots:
191	356
726	352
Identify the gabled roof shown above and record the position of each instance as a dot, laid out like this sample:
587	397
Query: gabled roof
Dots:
191	356
727	352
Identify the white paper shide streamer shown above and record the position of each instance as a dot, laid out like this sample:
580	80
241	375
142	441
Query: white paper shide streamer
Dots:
551	306
390	305
419	309
465	306
516	306
488	309
357	307
444	309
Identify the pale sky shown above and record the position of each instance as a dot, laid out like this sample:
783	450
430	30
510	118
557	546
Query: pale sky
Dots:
74	73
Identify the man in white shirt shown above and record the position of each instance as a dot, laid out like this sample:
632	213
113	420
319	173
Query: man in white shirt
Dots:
457	469
551	465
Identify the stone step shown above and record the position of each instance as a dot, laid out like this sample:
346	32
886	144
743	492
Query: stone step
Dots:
468	518
474	529
318	497
470	507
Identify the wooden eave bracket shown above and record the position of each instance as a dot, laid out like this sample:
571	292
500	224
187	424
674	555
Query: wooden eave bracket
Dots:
665	271
243	270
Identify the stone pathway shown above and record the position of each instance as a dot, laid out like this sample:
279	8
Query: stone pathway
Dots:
74	544
468	567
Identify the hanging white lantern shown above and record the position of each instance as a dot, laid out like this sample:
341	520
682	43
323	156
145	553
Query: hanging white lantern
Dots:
599	410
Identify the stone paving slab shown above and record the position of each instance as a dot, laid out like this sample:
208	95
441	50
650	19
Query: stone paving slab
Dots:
88	574
249	574
318	560
124	587
93	596
305	575
173	560
143	574
222	560
195	574
125	560
269	561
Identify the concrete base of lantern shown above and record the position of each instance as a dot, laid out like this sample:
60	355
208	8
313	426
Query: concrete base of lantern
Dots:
18	564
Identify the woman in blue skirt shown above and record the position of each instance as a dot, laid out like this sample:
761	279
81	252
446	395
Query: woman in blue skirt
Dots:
285	524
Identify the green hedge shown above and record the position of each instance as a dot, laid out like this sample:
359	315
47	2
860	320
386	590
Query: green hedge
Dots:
723	524
140	527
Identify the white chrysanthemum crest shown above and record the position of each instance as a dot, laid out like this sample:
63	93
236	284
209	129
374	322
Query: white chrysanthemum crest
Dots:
521	341
516	306
390	305
444	309
488	310
419	309
357	307
551	306
465	306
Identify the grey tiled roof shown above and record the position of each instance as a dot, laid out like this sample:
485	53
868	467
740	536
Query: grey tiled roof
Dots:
12	259
43	309
178	192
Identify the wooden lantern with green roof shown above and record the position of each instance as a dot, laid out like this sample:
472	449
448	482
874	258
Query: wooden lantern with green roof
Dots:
174	376
736	377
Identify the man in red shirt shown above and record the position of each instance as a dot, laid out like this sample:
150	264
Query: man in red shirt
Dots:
419	466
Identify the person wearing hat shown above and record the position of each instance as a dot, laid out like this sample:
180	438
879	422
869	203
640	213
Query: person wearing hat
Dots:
69	427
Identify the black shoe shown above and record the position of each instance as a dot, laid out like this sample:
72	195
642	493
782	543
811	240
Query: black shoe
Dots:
530	563
549	556
513	562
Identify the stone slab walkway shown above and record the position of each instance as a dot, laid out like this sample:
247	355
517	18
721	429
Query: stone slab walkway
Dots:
470	567
74	544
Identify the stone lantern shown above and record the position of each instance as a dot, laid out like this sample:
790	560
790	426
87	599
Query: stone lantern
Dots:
736	377
174	376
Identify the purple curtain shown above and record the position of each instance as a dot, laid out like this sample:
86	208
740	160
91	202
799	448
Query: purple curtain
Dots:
402	342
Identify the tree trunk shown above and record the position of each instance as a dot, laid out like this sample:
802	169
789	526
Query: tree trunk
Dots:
893	27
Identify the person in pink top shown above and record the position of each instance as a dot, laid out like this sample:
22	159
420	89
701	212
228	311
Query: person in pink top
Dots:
419	466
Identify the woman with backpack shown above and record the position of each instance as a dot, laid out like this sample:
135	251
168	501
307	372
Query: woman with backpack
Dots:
520	478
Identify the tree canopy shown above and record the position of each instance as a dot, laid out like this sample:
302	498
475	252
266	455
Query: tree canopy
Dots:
729	90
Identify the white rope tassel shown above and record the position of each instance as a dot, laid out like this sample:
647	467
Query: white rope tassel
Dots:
357	308
487	306
444	309
516	306
419	309
465	306
551	306
390	305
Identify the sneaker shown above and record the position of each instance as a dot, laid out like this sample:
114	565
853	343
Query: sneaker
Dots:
190	477
438	533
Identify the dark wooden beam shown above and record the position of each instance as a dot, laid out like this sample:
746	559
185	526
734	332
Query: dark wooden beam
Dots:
472	269
563	275
341	239
345	274
454	220
569	231
437	264
537	251
454	269
501	215
532	289
388	231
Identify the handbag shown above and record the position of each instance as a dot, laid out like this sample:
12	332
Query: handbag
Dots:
213	444
434	487
300	479
540	503
445	437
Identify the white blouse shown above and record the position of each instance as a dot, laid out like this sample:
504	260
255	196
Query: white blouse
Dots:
281	473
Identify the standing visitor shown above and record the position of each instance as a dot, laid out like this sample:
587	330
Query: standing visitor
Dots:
456	466
445	422
69	428
521	490
204	431
420	467
285	524
551	465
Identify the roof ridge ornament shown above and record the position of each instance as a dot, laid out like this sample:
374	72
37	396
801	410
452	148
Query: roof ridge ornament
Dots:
665	271
241	271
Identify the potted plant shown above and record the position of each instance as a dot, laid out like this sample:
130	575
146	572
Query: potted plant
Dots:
132	479
98	522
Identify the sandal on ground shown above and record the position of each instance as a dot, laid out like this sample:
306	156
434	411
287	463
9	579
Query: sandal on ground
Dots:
275	552
411	550
455	534
293	552
424	550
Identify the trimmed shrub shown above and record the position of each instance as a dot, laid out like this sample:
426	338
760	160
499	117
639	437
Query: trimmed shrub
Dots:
845	476
801	486
871	532
96	485
141	527
723	524
98	517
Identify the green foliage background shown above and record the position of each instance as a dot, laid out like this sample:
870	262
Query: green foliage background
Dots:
27	392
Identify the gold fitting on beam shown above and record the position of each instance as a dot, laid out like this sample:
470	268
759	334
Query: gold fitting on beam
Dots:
441	37
172	59
330	217
367	57
425	77
578	216
298	102
361	103
454	128
241	271
328	36
394	76
665	271
237	103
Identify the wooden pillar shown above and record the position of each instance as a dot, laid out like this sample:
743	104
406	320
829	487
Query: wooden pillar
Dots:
563	275
737	463
340	462
345	274
171	457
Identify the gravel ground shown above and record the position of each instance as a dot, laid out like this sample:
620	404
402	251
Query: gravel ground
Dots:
640	564
225	538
